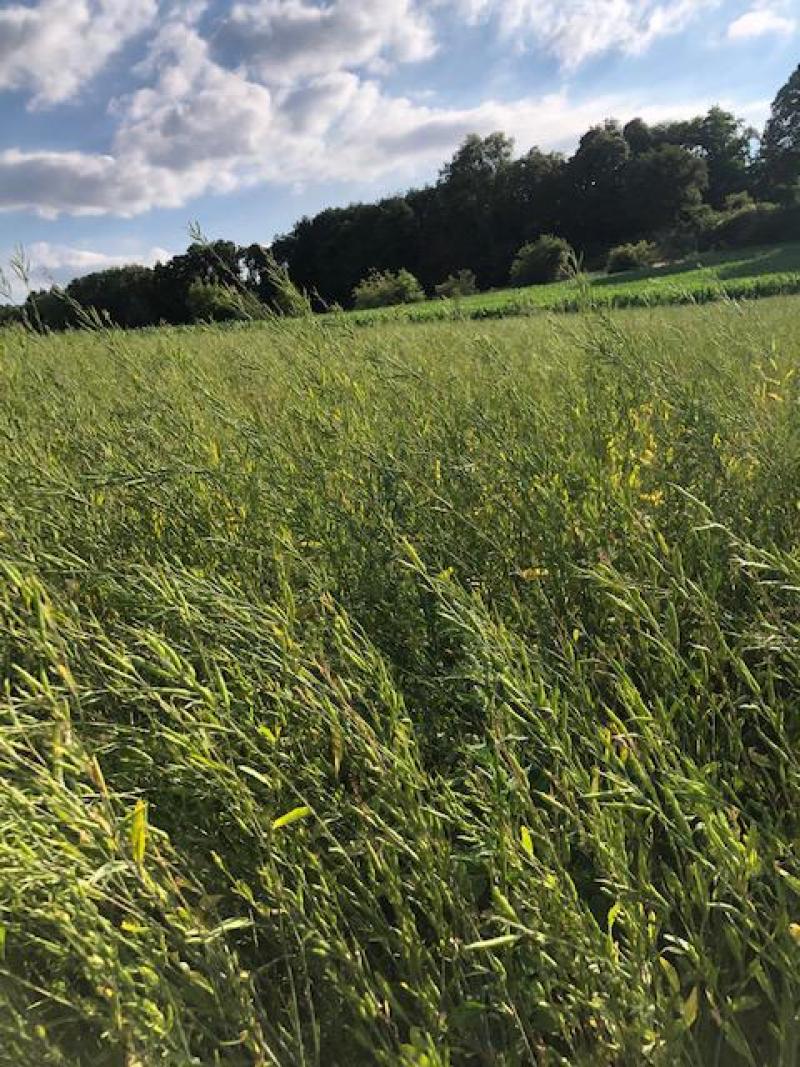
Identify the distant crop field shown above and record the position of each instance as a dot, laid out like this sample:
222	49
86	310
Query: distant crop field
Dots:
424	695
703	278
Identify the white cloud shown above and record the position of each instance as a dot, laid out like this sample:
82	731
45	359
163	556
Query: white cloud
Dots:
283	40
575	30
294	96
760	21
342	128
53	47
83	183
50	264
46	258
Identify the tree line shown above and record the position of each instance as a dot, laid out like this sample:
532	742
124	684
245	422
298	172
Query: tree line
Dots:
705	182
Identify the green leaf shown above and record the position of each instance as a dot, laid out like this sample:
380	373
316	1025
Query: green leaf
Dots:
251	772
736	1040
613	914
271	735
691	1007
671	973
291	816
492	942
139	831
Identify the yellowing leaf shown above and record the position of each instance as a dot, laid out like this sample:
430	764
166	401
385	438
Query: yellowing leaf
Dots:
691	1006
671	973
139	831
527	840
530	574
794	931
613	914
291	816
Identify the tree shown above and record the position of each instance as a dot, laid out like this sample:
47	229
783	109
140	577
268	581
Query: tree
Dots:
543	260
10	314
214	262
661	186
213	302
780	145
385	288
48	309
528	198
460	284
724	142
595	178
633	256
477	162
639	136
469	187
126	295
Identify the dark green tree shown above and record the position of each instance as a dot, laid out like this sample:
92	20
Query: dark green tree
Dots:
125	295
780	146
469	192
639	136
594	209
725	143
662	185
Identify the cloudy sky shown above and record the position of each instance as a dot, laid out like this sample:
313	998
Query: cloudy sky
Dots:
124	120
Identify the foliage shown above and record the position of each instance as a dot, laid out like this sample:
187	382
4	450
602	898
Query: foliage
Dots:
544	260
213	302
724	143
10	314
699	278
48	310
386	288
755	224
634	256
780	145
664	184
127	296
400	698
463	283
667	183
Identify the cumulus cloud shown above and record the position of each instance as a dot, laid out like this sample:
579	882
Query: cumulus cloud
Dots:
283	40
760	21
45	257
51	48
364	134
576	30
290	91
83	183
58	264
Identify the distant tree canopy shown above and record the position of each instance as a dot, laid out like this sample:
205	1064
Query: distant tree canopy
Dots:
676	183
701	182
216	280
780	145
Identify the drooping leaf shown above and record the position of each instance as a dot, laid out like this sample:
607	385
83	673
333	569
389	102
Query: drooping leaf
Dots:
691	1007
139	831
291	816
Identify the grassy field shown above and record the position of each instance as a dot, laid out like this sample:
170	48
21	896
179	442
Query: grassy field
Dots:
706	277
415	696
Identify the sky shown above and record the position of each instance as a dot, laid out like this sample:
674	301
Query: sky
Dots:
122	122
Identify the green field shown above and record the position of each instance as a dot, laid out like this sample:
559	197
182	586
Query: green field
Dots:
710	276
420	696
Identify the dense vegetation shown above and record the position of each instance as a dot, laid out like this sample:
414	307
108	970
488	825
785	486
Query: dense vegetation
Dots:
699	279
686	185
413	696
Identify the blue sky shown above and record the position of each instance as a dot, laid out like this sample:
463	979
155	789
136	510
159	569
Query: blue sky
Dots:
124	120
